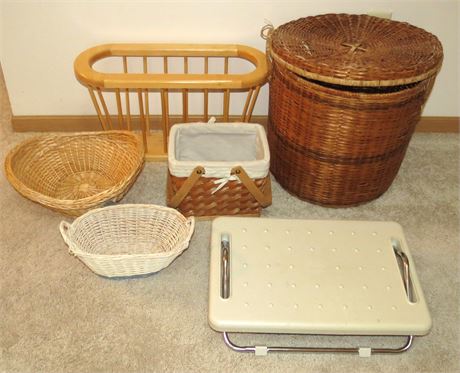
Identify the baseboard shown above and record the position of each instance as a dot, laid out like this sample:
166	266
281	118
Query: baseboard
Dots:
63	123
74	123
439	124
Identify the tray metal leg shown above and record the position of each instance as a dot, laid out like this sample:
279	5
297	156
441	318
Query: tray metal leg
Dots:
362	351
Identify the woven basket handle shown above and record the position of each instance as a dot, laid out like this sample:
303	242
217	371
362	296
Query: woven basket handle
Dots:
264	199
64	228
265	33
191	228
186	186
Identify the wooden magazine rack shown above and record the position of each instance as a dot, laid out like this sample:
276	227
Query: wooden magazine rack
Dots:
148	74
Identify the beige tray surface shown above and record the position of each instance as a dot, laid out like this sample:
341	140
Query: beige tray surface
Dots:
313	277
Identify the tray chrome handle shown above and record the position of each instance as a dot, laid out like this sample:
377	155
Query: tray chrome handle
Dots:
407	281
225	266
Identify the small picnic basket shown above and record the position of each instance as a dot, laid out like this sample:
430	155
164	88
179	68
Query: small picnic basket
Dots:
218	169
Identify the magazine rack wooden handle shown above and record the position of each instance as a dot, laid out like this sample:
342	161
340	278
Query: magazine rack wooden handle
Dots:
88	76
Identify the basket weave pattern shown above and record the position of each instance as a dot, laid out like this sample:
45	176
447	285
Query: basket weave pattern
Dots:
128	240
329	183
357	50
353	145
233	199
74	173
343	106
343	124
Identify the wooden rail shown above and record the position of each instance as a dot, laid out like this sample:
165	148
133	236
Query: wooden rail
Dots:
140	86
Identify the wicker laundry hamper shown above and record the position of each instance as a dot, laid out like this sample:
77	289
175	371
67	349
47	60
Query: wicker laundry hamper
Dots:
218	169
346	92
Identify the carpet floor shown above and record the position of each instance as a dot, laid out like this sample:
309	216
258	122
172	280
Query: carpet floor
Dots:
57	316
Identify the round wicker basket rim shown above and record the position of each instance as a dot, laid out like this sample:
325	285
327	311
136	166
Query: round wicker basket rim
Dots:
316	88
326	62
73	134
355	83
27	191
130	206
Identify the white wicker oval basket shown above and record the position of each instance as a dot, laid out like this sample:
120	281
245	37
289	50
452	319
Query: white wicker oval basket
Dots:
128	239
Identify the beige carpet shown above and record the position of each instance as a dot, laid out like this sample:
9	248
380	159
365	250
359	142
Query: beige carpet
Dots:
57	316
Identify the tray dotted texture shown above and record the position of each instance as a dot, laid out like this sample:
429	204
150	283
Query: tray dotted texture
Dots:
314	277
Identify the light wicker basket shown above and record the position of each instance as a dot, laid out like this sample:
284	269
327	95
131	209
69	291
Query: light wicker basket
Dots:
128	240
74	173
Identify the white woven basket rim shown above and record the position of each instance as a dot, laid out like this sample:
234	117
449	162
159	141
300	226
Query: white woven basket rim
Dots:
161	255
180	247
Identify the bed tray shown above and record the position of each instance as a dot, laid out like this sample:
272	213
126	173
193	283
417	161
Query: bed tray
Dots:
314	277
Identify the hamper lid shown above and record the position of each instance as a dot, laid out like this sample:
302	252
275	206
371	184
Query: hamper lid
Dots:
356	50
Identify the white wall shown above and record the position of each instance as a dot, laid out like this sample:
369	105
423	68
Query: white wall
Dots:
40	39
1	30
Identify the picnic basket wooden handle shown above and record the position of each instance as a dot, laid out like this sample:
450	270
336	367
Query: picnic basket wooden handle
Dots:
186	186
265	199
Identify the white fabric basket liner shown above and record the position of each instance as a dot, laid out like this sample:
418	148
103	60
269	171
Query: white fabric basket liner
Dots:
218	147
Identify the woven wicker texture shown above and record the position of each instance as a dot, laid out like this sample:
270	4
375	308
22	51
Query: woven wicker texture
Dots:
338	148
332	183
357	50
233	199
333	124
128	240
74	173
346	93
